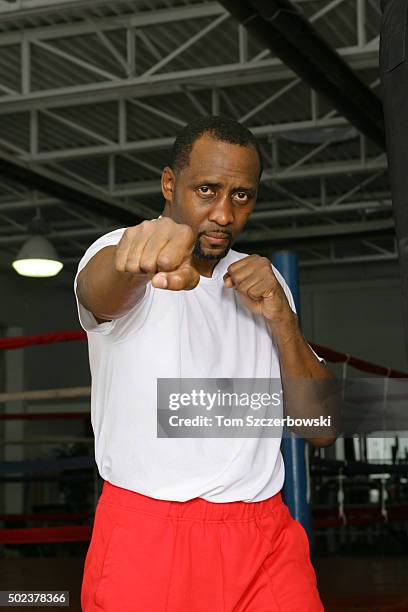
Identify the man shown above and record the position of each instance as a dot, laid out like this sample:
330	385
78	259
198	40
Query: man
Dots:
191	524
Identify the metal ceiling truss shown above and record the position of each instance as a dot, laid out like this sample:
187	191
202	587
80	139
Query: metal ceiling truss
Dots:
108	88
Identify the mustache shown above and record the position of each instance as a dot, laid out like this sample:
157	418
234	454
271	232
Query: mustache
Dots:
222	232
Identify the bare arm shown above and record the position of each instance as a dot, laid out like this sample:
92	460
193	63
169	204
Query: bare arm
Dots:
105	291
310	389
115	278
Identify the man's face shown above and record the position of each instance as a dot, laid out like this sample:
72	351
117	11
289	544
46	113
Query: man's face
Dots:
214	194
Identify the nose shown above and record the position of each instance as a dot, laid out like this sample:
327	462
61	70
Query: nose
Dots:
222	212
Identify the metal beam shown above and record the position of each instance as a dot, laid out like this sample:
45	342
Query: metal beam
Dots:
311	263
63	234
327	169
196	79
310	171
23	204
155	144
299	235
281	27
69	57
138	19
13	9
67	190
298	213
186	45
17	9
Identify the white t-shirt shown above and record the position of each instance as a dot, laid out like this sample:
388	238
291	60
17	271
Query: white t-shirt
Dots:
203	333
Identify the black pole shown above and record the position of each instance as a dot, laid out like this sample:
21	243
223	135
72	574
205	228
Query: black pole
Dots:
282	28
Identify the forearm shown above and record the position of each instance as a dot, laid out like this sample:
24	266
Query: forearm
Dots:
105	291
310	388
295	356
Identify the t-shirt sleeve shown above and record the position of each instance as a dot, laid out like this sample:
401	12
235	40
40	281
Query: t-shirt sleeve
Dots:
291	301
87	320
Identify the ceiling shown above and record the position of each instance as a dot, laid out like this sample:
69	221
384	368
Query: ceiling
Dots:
93	93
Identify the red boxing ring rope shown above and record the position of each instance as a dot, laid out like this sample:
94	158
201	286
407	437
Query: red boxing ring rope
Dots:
15	342
75	533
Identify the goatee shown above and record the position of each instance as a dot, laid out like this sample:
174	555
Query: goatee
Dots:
199	254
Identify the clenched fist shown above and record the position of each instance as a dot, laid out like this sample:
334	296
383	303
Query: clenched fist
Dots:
161	249
258	287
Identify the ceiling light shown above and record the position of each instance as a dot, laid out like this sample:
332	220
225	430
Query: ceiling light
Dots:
37	257
320	135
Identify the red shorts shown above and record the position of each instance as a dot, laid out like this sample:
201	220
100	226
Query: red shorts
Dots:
152	555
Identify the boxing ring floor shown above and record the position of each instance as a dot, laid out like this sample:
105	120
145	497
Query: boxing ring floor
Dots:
363	584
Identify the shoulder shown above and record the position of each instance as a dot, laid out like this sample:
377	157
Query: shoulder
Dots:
112	237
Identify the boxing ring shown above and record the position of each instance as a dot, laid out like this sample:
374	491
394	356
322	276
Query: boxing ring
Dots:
48	527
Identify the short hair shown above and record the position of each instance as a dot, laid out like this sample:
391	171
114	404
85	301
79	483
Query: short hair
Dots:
220	128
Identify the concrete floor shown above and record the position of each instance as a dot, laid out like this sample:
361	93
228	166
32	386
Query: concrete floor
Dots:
363	584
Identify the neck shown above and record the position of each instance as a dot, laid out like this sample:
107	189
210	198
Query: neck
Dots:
203	267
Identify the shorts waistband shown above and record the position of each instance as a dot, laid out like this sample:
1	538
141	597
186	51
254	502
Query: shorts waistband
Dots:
196	508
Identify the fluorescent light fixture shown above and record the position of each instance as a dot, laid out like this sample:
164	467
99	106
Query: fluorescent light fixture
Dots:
317	136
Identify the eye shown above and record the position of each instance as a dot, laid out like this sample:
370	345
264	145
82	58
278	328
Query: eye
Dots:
204	190
241	197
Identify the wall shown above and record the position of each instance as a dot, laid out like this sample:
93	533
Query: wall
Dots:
359	317
45	305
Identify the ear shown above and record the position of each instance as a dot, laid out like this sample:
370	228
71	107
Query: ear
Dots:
168	181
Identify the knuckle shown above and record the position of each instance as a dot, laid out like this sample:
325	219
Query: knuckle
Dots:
164	262
132	231
177	282
145	228
117	261
131	266
119	266
147	266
